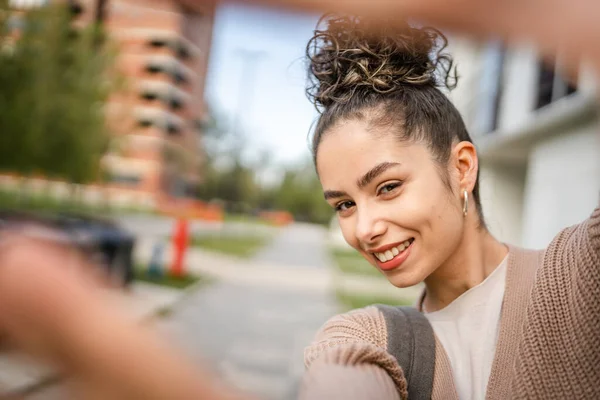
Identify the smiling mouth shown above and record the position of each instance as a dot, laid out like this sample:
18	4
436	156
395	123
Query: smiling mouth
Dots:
394	252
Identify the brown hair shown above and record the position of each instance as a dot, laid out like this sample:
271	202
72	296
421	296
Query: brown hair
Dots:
390	75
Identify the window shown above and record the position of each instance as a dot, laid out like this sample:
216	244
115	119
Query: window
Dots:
175	104
179	78
182	50
126	179
551	86
498	88
488	103
157	43
153	69
149	96
145	123
173	129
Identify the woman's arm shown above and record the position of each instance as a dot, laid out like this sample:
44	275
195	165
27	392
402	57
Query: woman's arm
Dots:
347	382
552	24
349	360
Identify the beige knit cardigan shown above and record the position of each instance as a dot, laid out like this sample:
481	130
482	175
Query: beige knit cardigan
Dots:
548	344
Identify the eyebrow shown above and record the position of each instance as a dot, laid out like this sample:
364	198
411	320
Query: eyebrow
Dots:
334	194
363	181
375	172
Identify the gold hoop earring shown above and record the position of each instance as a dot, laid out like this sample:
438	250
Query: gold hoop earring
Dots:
465	202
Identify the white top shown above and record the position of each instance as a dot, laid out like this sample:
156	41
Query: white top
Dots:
468	330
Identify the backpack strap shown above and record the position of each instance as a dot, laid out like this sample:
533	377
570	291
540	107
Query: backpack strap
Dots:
412	342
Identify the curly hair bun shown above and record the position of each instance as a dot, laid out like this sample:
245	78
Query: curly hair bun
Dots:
349	54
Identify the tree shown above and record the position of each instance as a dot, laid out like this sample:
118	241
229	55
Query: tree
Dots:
301	194
54	83
227	177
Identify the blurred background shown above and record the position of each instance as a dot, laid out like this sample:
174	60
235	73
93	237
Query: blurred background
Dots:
168	139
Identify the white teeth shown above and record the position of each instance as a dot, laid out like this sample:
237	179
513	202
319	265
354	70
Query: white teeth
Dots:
393	252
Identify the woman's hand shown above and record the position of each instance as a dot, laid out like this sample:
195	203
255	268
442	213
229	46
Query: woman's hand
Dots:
568	25
52	310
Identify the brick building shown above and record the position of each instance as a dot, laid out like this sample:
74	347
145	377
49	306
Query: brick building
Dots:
163	54
163	50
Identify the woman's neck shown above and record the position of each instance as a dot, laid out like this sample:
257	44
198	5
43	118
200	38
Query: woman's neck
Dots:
476	258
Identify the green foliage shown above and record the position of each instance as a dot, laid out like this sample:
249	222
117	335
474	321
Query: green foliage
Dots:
351	262
54	81
230	178
167	280
240	246
300	193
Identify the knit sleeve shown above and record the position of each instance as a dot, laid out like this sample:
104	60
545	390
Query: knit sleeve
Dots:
561	336
348	360
594	232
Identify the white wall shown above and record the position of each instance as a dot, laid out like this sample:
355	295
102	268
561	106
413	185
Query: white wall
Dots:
502	188
562	184
467	57
588	79
519	89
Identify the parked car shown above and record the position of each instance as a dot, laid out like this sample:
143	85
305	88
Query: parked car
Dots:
102	240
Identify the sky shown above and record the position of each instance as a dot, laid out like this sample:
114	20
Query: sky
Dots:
257	54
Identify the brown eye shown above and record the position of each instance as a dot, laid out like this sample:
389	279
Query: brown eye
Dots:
388	188
344	206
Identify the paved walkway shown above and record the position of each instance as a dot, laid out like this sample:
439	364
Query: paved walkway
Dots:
252	337
300	245
253	326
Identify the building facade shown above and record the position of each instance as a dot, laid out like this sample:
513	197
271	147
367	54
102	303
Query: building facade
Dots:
538	139
162	49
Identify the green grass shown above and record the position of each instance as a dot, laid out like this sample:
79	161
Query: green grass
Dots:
349	301
168	280
248	219
45	203
351	262
239	246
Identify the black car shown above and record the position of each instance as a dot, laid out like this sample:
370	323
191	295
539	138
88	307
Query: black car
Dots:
102	240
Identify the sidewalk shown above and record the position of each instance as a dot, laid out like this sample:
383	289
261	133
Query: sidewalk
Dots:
20	375
268	274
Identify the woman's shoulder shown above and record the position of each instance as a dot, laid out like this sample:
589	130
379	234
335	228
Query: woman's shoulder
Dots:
356	329
355	339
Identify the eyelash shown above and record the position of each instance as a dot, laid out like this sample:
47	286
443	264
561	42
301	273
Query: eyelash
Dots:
393	185
338	207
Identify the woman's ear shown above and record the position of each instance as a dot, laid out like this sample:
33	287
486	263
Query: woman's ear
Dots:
466	163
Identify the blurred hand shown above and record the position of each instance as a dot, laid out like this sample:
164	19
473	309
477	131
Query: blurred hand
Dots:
41	288
51	309
570	25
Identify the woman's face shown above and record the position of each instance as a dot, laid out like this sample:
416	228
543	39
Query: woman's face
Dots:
392	204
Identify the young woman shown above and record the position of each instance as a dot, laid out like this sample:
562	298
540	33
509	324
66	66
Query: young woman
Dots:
397	164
